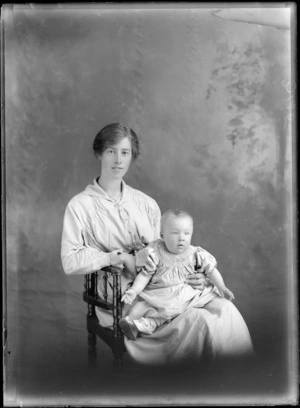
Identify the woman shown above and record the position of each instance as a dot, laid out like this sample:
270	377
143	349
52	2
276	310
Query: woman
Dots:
106	223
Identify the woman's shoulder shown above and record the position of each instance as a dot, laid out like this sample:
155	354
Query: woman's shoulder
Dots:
77	199
81	199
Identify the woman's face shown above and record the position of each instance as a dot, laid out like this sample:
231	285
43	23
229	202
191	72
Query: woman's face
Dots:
115	160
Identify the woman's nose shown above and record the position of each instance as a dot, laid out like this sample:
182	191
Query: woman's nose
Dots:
118	157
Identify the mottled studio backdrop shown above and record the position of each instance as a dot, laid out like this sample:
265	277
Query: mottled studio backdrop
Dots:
210	100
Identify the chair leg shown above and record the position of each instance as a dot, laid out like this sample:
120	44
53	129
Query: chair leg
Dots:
92	349
118	341
118	352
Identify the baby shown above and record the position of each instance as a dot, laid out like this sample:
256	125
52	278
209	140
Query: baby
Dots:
163	291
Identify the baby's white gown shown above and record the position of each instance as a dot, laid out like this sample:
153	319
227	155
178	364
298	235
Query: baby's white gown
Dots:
211	324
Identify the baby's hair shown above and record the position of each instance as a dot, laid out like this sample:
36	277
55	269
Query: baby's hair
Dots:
176	213
111	135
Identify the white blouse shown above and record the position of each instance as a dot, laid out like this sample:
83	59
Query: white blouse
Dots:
95	224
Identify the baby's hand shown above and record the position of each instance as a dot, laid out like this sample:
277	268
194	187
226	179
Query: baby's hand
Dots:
228	294
129	296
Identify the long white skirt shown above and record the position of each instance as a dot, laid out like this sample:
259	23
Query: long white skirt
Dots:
217	330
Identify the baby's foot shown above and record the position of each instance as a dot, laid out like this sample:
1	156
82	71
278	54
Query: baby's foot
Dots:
129	328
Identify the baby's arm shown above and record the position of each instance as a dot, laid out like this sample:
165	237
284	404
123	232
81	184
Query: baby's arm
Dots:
218	281
139	284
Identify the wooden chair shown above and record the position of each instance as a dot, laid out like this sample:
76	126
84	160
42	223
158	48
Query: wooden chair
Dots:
113	338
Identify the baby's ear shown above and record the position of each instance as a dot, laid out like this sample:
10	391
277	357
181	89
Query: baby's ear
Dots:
161	235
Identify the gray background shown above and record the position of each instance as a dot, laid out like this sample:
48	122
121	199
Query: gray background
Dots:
211	102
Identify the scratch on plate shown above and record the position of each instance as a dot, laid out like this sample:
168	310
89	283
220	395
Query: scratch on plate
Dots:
278	18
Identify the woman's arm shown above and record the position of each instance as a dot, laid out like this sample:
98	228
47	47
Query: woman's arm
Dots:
78	258
156	221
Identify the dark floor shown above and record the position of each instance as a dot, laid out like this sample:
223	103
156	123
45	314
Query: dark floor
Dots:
52	368
72	380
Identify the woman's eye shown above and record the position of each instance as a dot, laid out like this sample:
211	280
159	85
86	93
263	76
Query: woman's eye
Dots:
125	153
110	151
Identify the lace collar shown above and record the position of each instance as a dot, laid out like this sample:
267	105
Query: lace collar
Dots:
167	258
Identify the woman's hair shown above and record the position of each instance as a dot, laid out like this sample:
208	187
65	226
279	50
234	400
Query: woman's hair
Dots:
175	213
111	135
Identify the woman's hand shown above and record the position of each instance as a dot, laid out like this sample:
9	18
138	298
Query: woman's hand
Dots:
202	264
116	258
120	258
129	263
196	280
129	296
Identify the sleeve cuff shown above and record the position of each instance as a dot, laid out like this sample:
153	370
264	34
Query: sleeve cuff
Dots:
103	261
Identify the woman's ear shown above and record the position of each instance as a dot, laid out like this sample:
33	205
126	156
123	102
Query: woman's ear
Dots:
161	235
99	158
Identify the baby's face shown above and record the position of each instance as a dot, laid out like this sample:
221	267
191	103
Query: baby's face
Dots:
177	233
